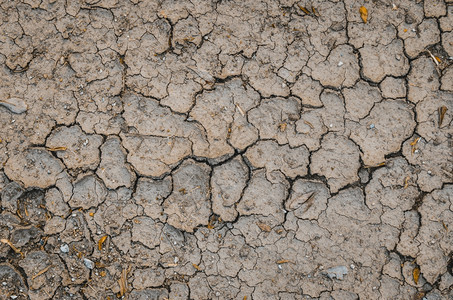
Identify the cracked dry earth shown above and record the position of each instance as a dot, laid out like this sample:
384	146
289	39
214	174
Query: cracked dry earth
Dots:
226	149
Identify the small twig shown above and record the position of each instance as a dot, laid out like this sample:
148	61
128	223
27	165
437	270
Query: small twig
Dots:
41	272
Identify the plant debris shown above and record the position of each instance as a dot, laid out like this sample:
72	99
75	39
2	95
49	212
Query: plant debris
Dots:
416	274
56	149
123	283
364	14
442	110
306	11
41	272
5	241
283	261
101	241
264	227
414	145
406	182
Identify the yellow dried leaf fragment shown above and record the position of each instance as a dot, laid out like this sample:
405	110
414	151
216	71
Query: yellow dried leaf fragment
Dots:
57	149
363	14
196	267
101	241
283	261
282	126
416	274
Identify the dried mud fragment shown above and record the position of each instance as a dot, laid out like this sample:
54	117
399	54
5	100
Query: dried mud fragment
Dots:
311	127
423	79
337	160
264	195
360	99
34	168
434	161
188	205
308	90
155	156
290	161
384	60
392	191
88	192
14	284
339	69
389	123
15	105
271	114
45	274
218	110
228	182
307	199
434	117
416	41
393	88
434	236
150	194
146	231
82	150
113	169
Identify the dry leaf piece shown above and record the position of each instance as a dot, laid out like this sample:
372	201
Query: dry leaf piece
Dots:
101	241
196	267
123	283
282	127
283	261
57	149
442	111
306	11
15	105
416	274
264	227
364	14
406	182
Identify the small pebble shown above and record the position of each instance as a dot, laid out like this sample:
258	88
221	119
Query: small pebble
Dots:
64	248
371	126
13	297
340	63
88	263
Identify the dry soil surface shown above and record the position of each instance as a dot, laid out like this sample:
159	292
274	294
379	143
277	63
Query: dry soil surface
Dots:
229	149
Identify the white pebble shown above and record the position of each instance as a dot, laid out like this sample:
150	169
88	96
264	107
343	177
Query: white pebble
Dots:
64	248
88	263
